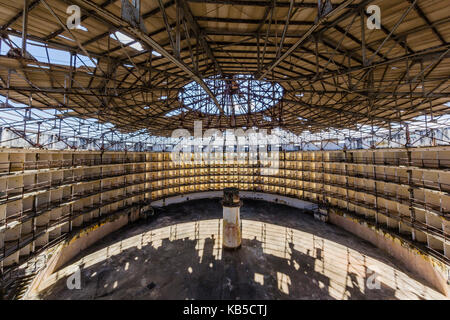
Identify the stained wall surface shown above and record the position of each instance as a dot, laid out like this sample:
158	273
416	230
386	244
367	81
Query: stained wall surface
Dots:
46	195
285	254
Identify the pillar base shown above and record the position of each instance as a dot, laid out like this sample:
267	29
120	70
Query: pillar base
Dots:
224	247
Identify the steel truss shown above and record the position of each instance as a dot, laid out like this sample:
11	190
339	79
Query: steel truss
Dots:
341	81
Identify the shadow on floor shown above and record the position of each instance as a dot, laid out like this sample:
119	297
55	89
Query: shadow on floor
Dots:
190	269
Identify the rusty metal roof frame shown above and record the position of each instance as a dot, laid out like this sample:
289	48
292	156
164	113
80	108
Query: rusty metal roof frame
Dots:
336	73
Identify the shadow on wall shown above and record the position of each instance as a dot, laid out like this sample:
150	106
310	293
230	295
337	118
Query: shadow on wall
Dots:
190	269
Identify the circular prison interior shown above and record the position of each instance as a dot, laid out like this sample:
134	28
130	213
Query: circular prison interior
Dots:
177	253
124	124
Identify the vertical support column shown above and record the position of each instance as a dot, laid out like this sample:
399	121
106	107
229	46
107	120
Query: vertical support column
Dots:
411	199
323	205
303	175
178	29
374	173
324	201
346	178
24	27
38	135
410	185
231	203
408	139
363	37
284	172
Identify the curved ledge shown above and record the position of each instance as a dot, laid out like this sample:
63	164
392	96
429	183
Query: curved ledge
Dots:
417	260
409	203
275	198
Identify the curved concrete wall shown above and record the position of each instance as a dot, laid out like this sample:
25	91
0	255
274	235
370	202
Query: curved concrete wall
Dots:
48	195
275	198
419	262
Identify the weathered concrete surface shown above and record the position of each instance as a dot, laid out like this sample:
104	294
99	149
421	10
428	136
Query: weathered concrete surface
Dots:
269	197
418	263
65	251
285	254
89	237
231	230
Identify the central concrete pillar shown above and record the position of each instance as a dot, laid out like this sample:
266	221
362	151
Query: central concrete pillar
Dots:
231	203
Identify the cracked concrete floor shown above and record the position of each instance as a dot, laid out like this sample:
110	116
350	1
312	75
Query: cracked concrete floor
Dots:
285	254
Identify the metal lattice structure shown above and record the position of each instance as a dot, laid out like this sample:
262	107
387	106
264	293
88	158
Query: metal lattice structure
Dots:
126	68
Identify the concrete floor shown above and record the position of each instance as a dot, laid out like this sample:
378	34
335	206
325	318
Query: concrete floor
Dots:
285	254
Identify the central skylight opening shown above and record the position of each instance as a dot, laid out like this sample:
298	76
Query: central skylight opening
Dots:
240	94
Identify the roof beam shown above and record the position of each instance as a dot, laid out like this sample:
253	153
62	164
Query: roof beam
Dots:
421	55
281	4
167	25
31	6
106	16
382	94
343	111
251	21
84	17
199	33
306	35
424	17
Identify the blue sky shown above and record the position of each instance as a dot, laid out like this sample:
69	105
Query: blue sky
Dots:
63	58
38	51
